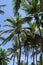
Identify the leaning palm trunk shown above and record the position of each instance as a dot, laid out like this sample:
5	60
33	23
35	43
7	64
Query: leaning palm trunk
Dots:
41	2
19	51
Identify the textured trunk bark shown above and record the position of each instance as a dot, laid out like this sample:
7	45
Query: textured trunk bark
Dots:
41	1
20	51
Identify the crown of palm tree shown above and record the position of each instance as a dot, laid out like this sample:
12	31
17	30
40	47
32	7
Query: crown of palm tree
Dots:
4	59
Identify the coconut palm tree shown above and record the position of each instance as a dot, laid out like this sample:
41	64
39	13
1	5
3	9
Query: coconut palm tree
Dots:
27	50
28	42
32	40
14	51
15	30
3	57
34	10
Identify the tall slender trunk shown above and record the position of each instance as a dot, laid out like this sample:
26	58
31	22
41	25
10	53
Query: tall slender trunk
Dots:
41	2
27	60
19	51
33	55
2	62
41	59
13	61
36	56
41	52
41	48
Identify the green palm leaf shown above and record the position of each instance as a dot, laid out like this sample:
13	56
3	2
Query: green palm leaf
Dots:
4	59
1	12
10	26
11	20
26	19
8	39
2	5
16	5
7	31
2	38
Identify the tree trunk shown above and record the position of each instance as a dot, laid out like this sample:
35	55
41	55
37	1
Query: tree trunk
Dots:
41	59
41	2
36	56
19	51
13	61
33	55
2	62
27	60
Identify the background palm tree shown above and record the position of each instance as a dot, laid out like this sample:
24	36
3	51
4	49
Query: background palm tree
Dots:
17	4
34	9
14	51
4	59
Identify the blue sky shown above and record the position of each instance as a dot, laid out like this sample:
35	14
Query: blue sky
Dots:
8	12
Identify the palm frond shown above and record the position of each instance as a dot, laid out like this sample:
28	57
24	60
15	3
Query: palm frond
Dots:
11	57
33	8
27	28
10	26
26	7
7	39
2	38
26	19
1	12
16	5
10	51
7	31
11	20
2	5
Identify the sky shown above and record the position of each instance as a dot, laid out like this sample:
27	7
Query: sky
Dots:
8	9
8	12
